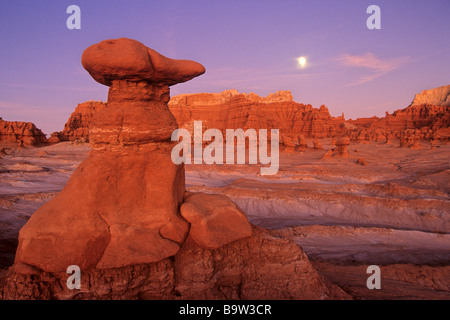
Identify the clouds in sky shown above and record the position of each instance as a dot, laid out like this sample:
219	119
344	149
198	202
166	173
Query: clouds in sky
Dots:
375	66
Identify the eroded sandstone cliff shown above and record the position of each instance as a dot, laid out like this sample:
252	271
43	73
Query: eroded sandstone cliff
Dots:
22	133
232	110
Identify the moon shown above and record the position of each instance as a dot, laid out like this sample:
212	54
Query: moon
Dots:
301	61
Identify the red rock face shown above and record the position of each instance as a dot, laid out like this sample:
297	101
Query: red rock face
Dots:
232	110
23	133
415	122
77	127
416	117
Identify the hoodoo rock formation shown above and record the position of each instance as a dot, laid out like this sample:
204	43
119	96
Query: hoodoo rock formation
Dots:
22	133
340	151
131	214
342	146
125	219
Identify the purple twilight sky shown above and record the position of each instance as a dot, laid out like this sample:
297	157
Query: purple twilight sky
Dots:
248	45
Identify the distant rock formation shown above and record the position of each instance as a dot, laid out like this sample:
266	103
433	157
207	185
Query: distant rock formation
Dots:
54	138
204	99
361	161
289	144
417	117
77	127
428	114
125	219
317	145
341	151
438	96
228	110
232	110
426	121
22	133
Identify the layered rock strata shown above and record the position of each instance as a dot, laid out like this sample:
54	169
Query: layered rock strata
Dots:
232	110
22	133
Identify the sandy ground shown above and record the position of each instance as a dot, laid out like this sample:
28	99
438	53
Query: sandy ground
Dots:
394	212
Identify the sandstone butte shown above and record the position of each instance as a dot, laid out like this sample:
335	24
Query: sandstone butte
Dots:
125	219
21	133
429	113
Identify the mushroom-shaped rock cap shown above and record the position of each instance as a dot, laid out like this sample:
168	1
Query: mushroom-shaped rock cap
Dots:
127	59
343	141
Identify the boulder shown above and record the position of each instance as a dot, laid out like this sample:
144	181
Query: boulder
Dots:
129	60
215	220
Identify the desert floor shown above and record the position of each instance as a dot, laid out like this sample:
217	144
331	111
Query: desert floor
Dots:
393	212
